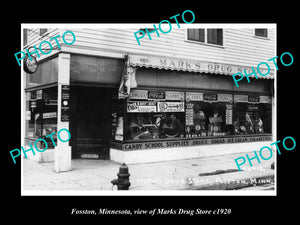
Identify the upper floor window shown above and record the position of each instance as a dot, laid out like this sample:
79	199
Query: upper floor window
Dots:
207	36
42	31
196	35
261	32
25	36
144	30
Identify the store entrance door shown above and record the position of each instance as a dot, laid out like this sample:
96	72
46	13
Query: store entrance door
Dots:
91	122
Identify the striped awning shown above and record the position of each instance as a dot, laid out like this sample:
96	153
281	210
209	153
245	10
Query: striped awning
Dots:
196	66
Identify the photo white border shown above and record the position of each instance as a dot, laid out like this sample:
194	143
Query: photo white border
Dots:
147	192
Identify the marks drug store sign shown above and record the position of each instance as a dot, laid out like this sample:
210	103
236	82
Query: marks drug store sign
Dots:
191	65
183	143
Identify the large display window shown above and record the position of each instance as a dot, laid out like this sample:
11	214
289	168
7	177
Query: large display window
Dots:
41	115
155	115
208	114
155	125
252	114
158	115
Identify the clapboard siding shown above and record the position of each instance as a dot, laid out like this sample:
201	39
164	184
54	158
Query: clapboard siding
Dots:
240	45
34	37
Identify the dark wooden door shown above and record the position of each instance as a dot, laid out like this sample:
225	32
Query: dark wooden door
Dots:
92	121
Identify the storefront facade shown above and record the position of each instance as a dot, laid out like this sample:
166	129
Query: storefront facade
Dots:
176	113
181	108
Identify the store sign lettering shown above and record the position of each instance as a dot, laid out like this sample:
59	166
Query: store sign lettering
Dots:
156	95
141	107
219	68
240	98
133	146
252	98
138	94
180	64
177	143
154	145
170	107
190	142
193	65
191	96
224	98
132	106
210	97
174	95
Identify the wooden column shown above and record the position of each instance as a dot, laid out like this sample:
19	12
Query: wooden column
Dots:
62	152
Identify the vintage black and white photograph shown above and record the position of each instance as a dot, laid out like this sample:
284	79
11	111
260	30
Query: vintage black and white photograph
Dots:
169	108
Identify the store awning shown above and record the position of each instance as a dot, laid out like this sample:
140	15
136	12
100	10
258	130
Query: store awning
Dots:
195	66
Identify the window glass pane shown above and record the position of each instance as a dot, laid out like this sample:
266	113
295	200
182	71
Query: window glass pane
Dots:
196	35
201	35
215	36
220	36
25	31
33	115
261	32
153	114
42	31
210	36
41	115
191	34
141	126
49	115
207	119
252	118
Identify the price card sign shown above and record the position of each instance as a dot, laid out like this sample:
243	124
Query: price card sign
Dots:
174	95
191	96
65	100
170	107
228	115
138	94
137	106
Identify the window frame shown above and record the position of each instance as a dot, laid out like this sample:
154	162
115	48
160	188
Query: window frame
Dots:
43	31
25	36
206	38
43	106
261	37
234	102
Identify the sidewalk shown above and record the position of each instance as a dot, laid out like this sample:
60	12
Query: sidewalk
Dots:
217	173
